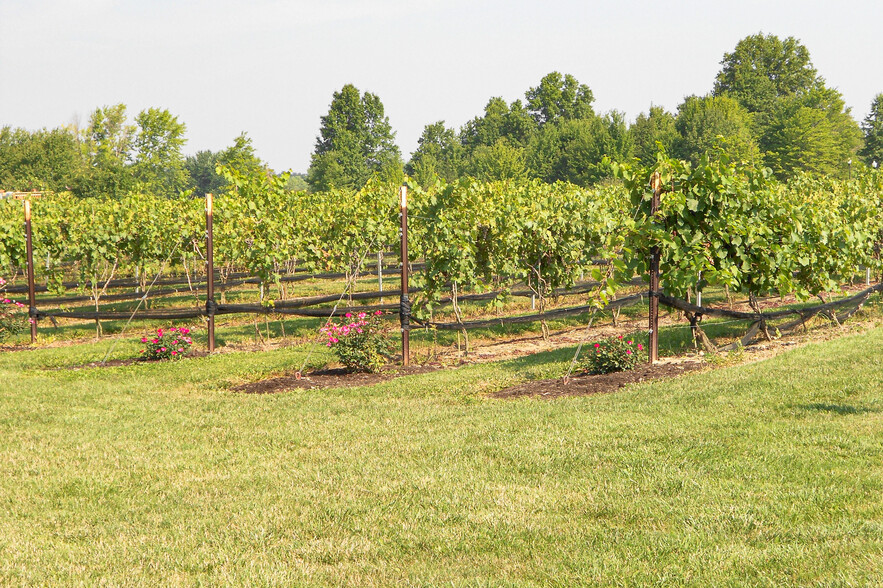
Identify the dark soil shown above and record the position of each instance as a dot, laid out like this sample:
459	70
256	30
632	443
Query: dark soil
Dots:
329	378
12	348
584	385
128	361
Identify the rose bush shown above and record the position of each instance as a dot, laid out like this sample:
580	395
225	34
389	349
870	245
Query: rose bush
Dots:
616	354
359	342
173	343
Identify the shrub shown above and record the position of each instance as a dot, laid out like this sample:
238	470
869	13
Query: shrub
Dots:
358	342
13	316
616	354
171	343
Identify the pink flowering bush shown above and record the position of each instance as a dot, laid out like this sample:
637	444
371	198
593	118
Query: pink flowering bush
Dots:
616	354
173	343
359	341
13	316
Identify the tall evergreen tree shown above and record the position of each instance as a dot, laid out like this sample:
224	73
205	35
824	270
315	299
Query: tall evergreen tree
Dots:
354	142
813	132
872	127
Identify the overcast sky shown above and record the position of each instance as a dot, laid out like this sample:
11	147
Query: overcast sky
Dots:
269	67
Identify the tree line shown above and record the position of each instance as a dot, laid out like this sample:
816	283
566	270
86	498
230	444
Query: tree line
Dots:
768	106
110	156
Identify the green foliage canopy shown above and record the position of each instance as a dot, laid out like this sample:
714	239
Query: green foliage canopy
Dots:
763	68
651	132
43	160
872	127
714	125
158	162
559	97
355	142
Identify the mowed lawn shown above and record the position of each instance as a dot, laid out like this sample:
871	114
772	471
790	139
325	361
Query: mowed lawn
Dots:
767	474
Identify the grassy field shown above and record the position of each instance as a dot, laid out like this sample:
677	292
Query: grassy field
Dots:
765	474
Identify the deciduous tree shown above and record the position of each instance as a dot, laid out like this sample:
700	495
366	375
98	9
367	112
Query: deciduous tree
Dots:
500	161
559	97
42	160
799	123
714	123
201	170
813	132
763	68
512	122
573	150
158	163
107	143
439	154
653	131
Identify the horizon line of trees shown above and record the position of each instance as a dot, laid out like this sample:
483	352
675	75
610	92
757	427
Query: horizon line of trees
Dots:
111	156
768	105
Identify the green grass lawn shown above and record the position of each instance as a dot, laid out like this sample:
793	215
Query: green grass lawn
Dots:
765	474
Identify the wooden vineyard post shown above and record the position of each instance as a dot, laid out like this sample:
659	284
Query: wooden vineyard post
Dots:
404	303
656	185
210	305
380	274
32	296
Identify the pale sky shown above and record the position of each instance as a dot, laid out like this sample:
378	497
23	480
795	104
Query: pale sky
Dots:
269	67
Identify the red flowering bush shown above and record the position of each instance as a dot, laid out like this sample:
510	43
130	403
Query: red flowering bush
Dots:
173	343
616	354
359	341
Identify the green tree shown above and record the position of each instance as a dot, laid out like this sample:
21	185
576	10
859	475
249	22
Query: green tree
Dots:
512	122
203	167
813	132
798	123
42	160
559	97
241	156
574	150
106	144
158	163
439	154
619	144
714	123
355	142
201	170
500	161
652	131
297	183
872	127
764	68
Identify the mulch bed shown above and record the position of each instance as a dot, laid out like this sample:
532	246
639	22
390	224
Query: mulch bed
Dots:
329	378
13	348
585	385
576	386
128	361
